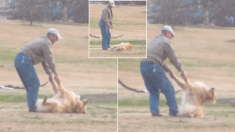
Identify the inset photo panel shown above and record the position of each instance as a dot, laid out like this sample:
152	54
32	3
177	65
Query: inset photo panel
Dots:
117	29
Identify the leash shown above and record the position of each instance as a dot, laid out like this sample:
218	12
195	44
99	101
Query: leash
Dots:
139	91
101	107
228	101
16	87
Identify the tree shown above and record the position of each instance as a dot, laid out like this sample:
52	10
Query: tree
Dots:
50	10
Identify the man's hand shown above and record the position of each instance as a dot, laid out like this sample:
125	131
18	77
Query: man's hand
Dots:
109	26
184	76
172	74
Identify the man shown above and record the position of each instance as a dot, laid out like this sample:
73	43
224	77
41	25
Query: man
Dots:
231	20
106	23
152	72
38	51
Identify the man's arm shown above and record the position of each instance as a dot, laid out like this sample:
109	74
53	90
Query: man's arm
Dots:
106	18
165	67
48	63
169	51
46	67
48	59
174	60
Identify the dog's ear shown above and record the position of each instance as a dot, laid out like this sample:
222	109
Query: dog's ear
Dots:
212	89
212	95
85	101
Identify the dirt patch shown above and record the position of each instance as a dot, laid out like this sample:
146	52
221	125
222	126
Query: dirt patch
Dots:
14	117
232	41
112	97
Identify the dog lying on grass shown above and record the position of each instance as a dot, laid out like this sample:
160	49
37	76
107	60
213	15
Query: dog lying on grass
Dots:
194	98
121	47
63	101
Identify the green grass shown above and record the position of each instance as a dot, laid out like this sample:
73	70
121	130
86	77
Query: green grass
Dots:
228	113
133	65
195	62
7	54
144	102
94	23
82	60
137	102
16	98
198	27
130	65
114	42
126	23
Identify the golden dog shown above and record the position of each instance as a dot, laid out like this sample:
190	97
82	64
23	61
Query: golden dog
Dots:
63	101
121	47
194	98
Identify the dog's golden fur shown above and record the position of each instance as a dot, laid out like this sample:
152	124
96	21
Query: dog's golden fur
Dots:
122	47
194	98
63	101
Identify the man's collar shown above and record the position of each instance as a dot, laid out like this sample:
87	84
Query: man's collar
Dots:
162	35
47	39
108	7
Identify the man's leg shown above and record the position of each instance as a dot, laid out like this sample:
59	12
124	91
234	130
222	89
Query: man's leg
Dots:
104	34
109	37
29	77
162	82
153	91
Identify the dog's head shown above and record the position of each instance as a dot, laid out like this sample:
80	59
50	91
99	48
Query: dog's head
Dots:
211	95
81	106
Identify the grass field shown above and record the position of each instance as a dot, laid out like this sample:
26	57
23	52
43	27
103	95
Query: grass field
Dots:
129	21
206	56
78	73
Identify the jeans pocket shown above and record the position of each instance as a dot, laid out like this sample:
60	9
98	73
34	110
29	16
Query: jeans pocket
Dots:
156	68
101	24
25	60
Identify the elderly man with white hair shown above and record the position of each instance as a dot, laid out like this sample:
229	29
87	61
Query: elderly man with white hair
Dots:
106	23
38	51
155	79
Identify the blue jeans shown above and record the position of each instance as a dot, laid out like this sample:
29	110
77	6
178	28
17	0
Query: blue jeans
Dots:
106	36
155	79
29	78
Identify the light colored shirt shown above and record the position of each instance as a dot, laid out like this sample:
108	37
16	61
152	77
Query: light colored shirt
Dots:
107	16
159	49
39	51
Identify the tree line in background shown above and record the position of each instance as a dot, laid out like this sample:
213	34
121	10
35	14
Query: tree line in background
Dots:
117	2
192	12
50	10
